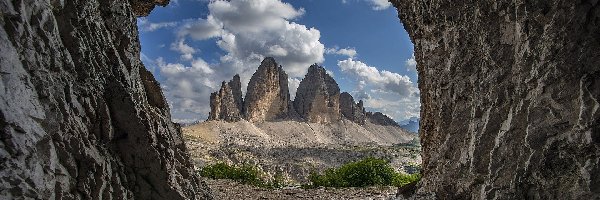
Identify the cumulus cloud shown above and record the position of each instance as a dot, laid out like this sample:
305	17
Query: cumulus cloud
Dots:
184	49
293	84
382	90
411	64
243	16
200	29
350	52
380	4
187	88
248	31
384	80
147	26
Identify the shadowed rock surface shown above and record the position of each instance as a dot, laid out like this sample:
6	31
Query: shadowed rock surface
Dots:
318	97
510	94
352	110
268	96
226	104
81	117
381	119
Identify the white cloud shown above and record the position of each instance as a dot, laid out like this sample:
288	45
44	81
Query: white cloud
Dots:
382	90
411	64
201	29
147	26
183	48
187	88
293	84
350	52
243	16
383	79
380	4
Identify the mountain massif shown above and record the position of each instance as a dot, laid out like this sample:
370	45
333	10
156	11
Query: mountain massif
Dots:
318	99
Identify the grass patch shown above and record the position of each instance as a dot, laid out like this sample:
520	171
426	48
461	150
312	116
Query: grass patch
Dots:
366	172
246	174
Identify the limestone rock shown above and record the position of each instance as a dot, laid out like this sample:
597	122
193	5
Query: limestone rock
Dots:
381	119
267	97
510	92
226	104
317	98
81	117
236	88
351	110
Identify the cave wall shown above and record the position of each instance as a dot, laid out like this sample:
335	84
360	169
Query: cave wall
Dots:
510	94
81	117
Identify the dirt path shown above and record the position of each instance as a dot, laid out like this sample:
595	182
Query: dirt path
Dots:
226	189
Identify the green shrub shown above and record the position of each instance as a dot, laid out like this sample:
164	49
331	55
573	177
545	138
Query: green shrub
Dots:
404	179
245	174
367	172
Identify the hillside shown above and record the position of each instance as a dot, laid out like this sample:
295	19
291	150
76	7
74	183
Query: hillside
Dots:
297	148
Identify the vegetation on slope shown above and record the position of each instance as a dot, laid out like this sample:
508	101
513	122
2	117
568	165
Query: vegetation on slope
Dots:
366	172
245	174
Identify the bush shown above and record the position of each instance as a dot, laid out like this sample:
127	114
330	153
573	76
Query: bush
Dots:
367	172
245	174
404	179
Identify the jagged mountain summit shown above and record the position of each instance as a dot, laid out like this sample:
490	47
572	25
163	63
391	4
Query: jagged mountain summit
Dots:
318	99
267	96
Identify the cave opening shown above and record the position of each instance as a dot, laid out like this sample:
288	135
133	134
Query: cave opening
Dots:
202	53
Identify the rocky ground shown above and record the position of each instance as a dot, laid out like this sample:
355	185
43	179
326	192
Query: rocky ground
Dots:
295	149
227	189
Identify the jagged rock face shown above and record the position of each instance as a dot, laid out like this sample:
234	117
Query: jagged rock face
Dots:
81	117
236	88
318	95
381	119
268	96
350	110
226	103
510	94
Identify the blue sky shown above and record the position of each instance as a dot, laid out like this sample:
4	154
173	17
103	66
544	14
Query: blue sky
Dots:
193	45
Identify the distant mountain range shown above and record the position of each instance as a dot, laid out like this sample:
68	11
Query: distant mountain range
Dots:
412	125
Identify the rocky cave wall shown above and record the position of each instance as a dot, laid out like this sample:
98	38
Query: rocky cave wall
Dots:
81	117
510	95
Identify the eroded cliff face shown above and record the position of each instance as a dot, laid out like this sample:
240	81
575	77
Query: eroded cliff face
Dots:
268	96
226	104
81	117
351	110
318	97
510	97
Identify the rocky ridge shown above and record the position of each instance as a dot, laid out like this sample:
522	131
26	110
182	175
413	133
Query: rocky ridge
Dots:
81	117
318	99
226	104
352	110
510	94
